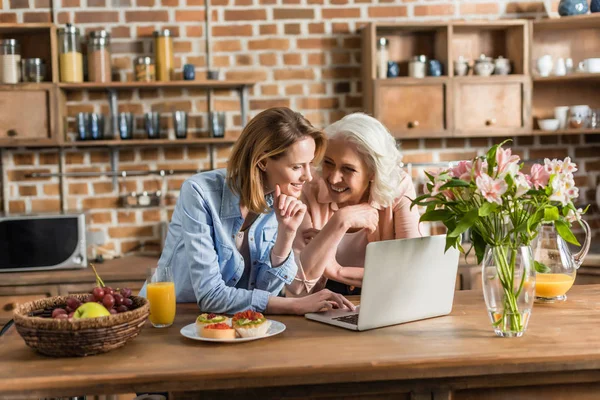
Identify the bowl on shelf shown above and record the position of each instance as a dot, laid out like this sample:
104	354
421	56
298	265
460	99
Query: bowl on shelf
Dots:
549	124
77	337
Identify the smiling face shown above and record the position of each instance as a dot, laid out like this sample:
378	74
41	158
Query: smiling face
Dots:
291	169
346	173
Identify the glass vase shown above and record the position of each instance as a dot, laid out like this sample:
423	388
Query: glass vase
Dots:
508	278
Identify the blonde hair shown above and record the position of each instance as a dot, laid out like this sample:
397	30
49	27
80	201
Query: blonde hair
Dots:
268	135
378	149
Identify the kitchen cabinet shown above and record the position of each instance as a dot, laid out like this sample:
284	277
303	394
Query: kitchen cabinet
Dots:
412	108
492	106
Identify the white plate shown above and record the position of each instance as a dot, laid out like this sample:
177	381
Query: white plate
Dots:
189	331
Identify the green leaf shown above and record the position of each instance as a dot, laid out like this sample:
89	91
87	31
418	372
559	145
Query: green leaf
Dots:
541	268
451	242
491	159
436	215
479	245
550	213
431	178
509	180
455	183
465	223
487	209
534	220
564	231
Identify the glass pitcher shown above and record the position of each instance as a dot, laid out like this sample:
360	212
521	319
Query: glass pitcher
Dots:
555	265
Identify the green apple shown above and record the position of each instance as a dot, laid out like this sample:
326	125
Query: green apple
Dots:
90	310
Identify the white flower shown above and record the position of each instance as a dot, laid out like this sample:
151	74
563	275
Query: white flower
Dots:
559	191
522	184
574	216
492	190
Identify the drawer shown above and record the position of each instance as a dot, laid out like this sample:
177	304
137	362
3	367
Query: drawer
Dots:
412	110
18	124
483	109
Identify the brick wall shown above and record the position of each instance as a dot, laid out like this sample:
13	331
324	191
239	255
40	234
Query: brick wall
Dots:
305	55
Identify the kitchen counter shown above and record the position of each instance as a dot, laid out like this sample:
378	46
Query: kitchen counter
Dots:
452	357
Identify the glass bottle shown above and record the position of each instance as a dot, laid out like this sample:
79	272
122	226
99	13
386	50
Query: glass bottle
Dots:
417	66
71	58
382	58
144	69
33	70
99	68
10	59
163	49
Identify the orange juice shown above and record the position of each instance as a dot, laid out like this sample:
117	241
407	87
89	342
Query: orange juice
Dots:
552	285
161	296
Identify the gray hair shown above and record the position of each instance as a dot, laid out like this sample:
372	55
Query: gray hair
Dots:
378	149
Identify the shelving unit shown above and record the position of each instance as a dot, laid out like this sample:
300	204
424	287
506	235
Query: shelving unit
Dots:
471	106
575	37
449	105
48	128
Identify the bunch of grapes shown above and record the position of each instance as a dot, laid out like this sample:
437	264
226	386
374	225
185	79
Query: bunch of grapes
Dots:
115	301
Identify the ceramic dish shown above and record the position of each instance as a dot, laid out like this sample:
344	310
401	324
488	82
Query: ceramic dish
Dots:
189	331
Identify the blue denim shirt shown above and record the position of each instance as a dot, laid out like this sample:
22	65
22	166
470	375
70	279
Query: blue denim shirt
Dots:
200	249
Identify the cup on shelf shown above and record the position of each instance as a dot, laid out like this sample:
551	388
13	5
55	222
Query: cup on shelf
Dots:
125	125
212	74
216	123
152	124
594	121
560	68
544	65
189	72
180	124
578	116
96	126
83	126
561	114
590	65
461	66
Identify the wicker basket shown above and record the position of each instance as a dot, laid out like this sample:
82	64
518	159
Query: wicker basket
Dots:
77	337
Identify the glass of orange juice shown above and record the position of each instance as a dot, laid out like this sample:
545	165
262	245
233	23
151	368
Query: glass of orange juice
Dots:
160	292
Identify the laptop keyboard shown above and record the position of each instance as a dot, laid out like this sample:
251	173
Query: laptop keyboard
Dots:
349	319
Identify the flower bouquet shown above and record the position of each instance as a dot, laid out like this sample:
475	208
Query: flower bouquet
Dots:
500	209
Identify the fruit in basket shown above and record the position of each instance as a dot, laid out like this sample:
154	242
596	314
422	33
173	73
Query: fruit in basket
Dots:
58	311
90	310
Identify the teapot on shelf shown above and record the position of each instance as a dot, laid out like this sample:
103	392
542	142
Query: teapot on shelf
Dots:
556	267
484	65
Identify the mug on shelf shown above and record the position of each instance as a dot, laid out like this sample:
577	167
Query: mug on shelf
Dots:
591	65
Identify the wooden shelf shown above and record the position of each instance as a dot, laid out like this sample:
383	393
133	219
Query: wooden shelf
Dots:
10	28
401	80
147	142
27	86
489	79
197	84
577	76
566	132
586	21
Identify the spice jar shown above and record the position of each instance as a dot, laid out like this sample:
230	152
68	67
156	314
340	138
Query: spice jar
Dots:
163	48
98	59
382	58
144	69
10	59
71	59
417	66
33	70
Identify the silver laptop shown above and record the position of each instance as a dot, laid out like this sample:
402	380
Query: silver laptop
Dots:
405	280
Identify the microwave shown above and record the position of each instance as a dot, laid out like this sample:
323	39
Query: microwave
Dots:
42	242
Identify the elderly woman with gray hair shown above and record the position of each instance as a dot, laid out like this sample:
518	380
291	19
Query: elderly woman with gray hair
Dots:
362	196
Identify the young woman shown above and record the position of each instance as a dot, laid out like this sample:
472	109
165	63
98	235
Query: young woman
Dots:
361	197
231	234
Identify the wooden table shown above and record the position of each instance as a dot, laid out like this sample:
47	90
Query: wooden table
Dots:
453	357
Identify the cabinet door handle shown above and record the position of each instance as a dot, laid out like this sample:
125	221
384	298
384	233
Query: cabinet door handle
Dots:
10	306
490	122
11	133
413	124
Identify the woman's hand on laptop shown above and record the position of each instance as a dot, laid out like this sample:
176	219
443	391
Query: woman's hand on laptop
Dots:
323	300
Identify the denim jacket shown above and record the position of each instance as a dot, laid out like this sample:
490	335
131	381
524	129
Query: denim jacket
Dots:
200	249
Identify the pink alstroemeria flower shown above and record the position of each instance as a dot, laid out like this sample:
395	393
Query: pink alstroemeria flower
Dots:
462	170
492	190
539	176
507	163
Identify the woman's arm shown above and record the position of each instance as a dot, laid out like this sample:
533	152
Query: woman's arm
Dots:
406	221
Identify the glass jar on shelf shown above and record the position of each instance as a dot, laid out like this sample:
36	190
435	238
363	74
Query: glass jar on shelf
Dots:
382	58
33	70
71	58
145	69
98	58
10	58
163	51
417	66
